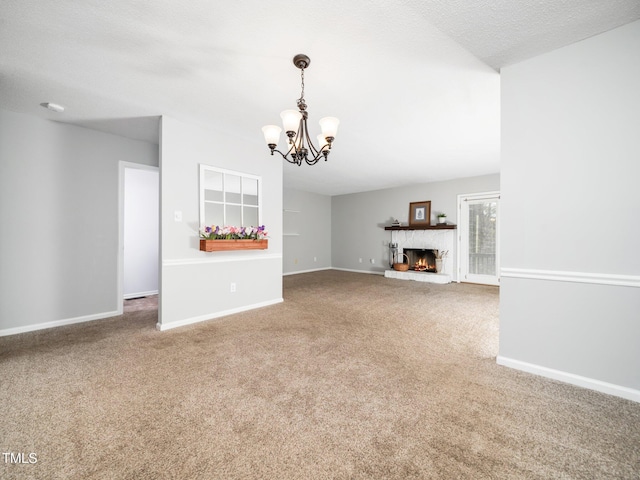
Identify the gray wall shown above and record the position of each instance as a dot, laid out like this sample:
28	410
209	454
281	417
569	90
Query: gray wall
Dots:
358	220
570	301
307	231
59	221
195	285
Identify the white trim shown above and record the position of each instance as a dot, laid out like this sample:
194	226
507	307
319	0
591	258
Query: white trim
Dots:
575	277
140	294
584	382
307	271
357	271
211	316
58	323
221	259
480	196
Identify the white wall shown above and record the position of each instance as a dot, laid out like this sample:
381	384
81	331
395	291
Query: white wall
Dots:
141	231
570	297
307	231
358	219
59	221
195	285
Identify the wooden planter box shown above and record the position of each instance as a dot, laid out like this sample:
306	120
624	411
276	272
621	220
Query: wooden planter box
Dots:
225	245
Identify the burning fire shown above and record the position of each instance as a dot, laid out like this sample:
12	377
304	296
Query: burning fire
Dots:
421	265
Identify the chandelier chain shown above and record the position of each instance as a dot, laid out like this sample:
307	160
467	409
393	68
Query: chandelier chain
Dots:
302	83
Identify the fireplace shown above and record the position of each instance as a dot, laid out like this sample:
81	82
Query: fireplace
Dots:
421	259
431	239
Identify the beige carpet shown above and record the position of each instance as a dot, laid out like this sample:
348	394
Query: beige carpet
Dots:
353	377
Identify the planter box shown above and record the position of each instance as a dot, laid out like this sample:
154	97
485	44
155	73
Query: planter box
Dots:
225	245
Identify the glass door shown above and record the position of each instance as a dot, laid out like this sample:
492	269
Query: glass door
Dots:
479	238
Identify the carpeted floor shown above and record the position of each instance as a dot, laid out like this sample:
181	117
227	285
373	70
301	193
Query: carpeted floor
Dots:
353	377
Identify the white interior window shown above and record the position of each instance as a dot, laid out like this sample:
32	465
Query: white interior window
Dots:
229	198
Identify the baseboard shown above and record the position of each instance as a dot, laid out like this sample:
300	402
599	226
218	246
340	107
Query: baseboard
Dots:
140	294
58	323
333	268
306	271
357	271
211	316
585	382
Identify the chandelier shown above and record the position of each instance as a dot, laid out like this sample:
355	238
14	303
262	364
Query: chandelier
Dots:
299	145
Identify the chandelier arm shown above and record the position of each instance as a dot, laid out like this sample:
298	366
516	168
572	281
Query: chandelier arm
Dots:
318	153
293	160
314	151
283	155
286	157
323	153
292	148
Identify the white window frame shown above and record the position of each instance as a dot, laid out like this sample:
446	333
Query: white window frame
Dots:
463	274
208	168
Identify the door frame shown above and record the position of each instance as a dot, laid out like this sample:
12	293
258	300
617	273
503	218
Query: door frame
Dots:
463	232
122	166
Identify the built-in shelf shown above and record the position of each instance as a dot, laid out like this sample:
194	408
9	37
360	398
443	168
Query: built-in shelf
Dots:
447	226
290	234
288	210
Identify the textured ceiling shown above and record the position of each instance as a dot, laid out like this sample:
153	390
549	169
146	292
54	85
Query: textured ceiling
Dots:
415	83
502	32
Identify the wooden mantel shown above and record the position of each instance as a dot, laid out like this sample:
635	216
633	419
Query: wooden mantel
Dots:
447	226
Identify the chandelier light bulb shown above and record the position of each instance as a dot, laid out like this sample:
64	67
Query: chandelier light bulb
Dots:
291	120
271	134
329	126
322	141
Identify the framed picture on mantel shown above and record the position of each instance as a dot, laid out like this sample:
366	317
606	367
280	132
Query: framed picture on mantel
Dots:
419	214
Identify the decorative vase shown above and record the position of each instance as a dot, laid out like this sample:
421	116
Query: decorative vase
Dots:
226	245
439	265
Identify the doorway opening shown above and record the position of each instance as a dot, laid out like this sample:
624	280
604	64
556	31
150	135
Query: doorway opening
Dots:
139	236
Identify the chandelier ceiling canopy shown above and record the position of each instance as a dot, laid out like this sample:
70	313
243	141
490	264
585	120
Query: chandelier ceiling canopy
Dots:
299	147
